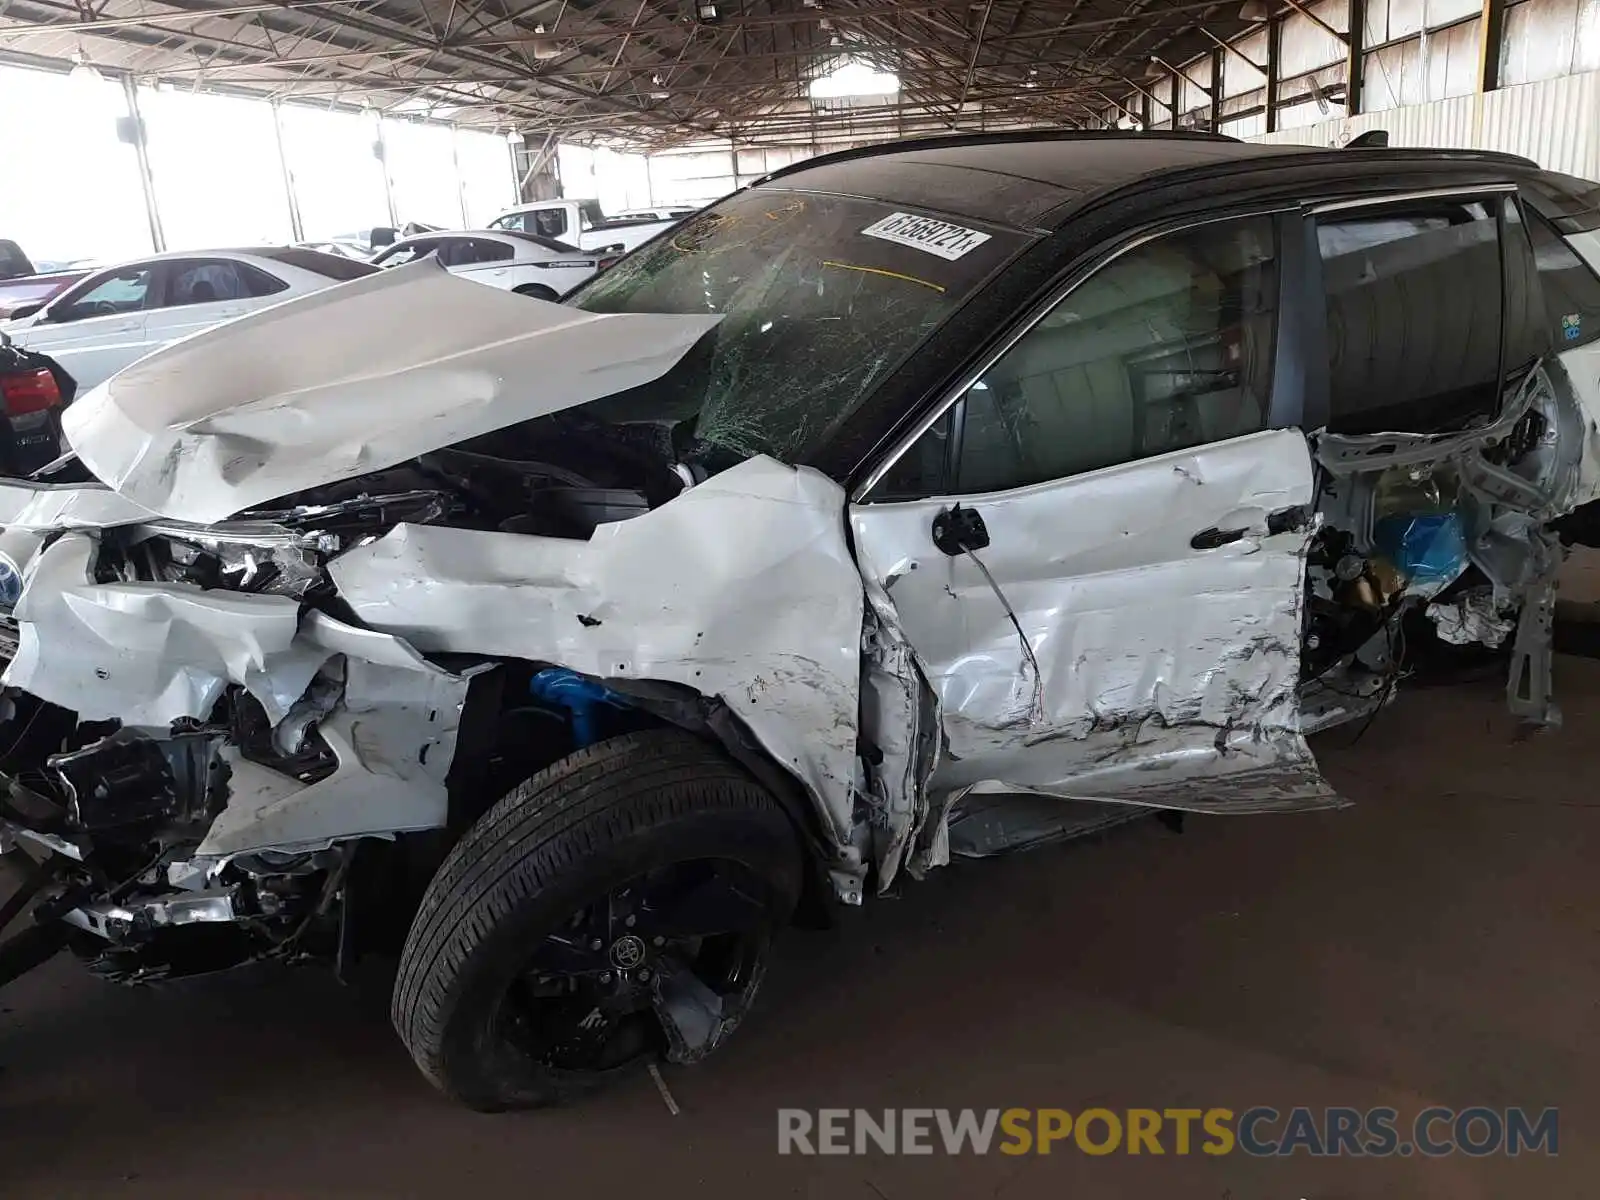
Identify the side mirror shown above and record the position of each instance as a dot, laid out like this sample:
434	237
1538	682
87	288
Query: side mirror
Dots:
25	310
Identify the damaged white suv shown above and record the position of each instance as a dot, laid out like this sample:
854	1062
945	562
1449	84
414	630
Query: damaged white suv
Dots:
937	499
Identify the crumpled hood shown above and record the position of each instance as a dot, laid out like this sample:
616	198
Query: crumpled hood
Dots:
351	380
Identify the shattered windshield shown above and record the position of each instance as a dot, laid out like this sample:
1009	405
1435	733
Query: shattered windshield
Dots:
821	297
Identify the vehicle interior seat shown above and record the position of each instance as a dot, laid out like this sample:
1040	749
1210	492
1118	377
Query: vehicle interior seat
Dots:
1157	352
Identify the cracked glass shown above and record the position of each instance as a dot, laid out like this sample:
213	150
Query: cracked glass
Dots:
816	314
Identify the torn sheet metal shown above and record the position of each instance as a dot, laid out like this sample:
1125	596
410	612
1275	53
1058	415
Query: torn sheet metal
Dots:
741	588
1169	673
393	733
232	417
900	723
65	506
148	654
1473	618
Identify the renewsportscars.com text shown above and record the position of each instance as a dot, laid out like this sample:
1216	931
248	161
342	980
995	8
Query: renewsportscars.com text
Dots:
1260	1131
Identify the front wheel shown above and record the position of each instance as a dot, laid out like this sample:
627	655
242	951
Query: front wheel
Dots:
614	908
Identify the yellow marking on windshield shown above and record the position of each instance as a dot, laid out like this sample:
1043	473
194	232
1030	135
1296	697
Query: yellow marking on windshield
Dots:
886	274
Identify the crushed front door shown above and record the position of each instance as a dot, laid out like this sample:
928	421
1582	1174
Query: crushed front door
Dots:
1113	612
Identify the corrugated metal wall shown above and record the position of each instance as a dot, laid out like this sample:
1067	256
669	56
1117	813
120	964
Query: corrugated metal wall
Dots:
1555	122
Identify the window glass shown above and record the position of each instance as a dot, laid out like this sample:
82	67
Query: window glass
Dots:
123	291
258	283
470	251
1571	290
208	281
546	222
1167	346
1414	303
816	314
509	221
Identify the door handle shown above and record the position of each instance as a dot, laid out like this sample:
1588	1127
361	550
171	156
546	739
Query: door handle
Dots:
1210	539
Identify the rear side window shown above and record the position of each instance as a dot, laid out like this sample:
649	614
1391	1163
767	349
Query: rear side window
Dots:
1415	313
466	252
258	282
546	222
1571	290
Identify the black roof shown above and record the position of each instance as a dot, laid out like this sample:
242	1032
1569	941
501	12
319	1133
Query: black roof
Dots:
1017	178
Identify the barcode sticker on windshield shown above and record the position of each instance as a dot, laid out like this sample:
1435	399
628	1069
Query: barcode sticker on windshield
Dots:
924	233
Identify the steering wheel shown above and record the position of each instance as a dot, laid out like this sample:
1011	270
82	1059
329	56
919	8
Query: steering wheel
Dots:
103	308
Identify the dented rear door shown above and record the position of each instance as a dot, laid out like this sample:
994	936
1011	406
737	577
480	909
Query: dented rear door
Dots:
1104	587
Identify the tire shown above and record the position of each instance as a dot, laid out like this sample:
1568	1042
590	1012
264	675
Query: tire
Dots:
566	849
538	291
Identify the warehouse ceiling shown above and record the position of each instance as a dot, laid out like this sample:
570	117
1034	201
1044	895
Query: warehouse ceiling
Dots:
642	73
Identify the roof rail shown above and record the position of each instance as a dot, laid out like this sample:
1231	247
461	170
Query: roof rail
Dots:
987	139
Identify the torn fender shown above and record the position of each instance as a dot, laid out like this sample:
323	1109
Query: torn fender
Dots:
148	654
321	388
742	588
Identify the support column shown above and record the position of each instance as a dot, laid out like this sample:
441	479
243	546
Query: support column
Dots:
1354	68
288	176
1274	41
147	184
1491	34
461	184
380	151
1216	91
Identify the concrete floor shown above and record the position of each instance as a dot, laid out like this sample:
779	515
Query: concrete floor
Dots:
1437	943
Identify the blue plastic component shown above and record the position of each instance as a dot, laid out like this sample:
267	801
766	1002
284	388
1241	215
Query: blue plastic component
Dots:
1430	549
580	696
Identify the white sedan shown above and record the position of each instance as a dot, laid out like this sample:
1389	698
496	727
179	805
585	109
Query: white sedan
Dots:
114	316
504	258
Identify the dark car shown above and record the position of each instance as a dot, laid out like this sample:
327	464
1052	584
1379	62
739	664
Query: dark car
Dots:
957	496
33	392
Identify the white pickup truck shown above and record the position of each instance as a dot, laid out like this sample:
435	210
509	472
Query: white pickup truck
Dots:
579	222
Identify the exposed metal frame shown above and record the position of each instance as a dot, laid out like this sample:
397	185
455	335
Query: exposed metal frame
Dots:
643	73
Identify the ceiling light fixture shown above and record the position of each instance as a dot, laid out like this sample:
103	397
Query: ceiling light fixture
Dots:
1254	11
83	70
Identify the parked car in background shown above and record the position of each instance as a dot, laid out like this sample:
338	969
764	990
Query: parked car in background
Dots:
33	391
344	248
580	221
503	258
21	283
114	316
656	214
